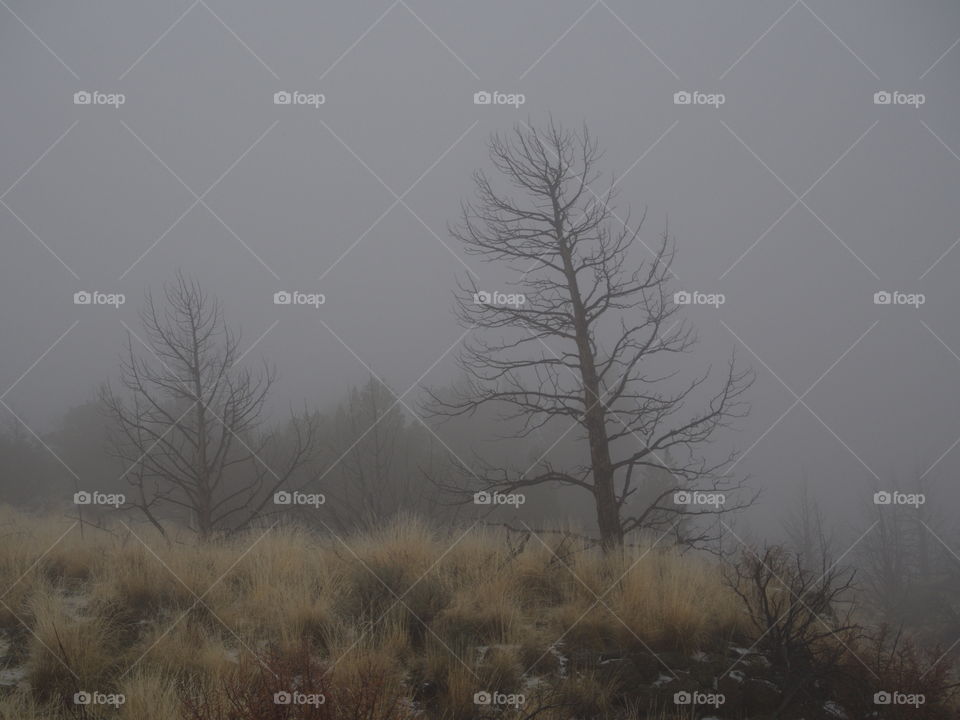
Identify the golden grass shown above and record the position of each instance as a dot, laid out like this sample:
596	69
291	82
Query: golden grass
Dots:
149	696
70	648
450	612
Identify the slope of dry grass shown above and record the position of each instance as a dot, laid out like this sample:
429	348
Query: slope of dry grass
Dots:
429	618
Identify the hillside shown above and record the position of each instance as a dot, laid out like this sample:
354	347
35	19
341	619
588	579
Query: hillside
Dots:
405	623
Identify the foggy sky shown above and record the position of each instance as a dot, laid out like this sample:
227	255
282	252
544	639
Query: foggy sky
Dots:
304	198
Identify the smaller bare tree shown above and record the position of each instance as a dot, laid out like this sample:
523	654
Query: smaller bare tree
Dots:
189	429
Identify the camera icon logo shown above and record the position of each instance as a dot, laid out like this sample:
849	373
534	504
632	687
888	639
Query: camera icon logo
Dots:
82	698
882	298
682	698
882	97
82	298
482	98
282	497
682	298
482	498
482	298
282	97
882	698
882	498
82	498
482	698
682	98
282	698
682	498
82	98
282	298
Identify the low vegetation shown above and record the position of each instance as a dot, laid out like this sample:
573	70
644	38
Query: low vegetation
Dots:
405	622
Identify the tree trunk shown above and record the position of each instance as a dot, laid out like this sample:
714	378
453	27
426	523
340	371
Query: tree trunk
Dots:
605	499
204	491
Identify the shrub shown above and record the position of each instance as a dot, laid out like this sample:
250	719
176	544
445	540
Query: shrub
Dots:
896	665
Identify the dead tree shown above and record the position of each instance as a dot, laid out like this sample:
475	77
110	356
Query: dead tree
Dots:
188	426
584	346
371	469
805	527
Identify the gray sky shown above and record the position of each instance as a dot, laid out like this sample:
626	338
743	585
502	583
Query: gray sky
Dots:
798	198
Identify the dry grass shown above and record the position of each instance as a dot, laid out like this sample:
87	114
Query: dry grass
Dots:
441	615
149	696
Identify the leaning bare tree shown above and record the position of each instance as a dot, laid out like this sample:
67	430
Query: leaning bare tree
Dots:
585	342
189	427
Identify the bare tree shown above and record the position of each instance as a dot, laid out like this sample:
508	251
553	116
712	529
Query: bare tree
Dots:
911	578
805	527
189	427
584	345
375	456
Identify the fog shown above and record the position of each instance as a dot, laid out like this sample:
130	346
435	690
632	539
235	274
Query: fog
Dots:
798	198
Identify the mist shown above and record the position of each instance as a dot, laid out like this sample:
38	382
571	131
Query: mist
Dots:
307	165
